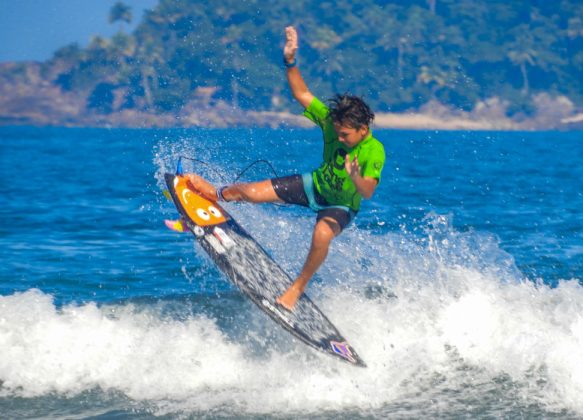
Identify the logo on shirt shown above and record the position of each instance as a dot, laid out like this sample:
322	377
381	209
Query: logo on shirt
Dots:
339	158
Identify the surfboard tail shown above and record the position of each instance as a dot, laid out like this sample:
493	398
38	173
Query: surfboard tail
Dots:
345	351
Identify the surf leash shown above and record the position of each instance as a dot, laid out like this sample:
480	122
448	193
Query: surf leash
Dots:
180	171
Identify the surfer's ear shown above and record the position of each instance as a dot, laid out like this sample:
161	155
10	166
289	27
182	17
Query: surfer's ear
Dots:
363	131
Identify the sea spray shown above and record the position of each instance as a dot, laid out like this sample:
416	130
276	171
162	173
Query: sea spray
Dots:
427	317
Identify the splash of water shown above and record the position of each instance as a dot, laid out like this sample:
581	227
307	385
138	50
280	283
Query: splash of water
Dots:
442	317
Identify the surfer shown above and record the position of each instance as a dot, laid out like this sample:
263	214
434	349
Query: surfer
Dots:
351	170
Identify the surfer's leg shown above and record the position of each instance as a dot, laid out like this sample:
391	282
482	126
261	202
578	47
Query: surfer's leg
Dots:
251	192
325	231
286	189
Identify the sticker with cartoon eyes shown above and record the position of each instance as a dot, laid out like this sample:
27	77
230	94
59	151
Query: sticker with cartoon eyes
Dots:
203	214
200	210
214	211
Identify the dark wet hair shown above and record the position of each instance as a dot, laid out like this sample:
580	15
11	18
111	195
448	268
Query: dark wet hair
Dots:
350	111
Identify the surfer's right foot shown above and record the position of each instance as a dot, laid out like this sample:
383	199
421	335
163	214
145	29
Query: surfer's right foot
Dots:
290	297
202	186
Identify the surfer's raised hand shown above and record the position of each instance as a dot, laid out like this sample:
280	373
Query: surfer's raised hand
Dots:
291	44
298	87
352	167
364	185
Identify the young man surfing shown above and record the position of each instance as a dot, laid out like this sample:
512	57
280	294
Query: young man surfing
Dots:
351	170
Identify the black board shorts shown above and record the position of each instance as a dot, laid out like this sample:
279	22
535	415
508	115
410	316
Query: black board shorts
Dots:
292	190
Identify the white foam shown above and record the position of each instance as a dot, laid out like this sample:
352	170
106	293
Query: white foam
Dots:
82	347
445	311
467	320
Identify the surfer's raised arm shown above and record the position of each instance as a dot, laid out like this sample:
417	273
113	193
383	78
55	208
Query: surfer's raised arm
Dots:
296	82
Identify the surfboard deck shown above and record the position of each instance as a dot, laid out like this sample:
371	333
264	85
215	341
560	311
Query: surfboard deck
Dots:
248	266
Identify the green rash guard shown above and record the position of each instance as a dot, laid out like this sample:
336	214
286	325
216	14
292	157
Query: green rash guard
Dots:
331	179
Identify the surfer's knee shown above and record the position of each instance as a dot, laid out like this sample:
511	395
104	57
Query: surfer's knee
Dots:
325	231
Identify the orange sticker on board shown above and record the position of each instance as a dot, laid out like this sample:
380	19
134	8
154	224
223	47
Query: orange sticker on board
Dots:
201	211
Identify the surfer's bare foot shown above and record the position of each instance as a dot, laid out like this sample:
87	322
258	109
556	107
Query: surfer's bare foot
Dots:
202	186
290	297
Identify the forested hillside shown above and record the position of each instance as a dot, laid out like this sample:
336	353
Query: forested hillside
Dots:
398	55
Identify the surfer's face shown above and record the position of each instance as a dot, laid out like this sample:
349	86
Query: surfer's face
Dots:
350	136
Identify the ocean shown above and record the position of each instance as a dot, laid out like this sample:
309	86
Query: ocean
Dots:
460	283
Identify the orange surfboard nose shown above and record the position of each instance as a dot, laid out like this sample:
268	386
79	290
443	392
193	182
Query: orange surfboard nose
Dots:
203	212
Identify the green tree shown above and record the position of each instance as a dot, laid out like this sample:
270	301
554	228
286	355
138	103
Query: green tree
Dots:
70	54
432	4
402	31
121	13
533	46
399	54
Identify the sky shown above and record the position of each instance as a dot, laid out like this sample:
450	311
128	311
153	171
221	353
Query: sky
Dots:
34	29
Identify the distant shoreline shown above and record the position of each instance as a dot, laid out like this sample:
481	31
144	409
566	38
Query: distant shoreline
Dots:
28	97
217	118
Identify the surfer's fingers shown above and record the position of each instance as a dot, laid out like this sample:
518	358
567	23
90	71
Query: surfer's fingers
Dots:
347	163
291	36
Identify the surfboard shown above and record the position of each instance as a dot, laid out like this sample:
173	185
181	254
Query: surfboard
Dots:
249	267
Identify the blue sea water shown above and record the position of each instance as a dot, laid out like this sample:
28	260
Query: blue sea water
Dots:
460	282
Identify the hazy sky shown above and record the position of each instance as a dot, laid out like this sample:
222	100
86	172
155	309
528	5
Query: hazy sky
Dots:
34	29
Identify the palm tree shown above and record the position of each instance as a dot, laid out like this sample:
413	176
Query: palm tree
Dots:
403	32
121	13
533	46
432	5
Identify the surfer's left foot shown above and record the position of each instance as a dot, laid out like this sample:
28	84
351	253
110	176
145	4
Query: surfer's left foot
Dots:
289	298
203	187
